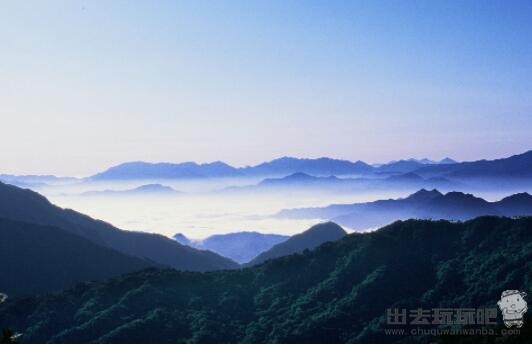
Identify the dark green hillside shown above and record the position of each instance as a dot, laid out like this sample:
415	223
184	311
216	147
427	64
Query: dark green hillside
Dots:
337	293
35	259
309	239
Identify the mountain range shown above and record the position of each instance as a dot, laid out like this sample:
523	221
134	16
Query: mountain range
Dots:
190	170
514	167
409	165
317	167
517	166
185	170
276	168
423	204
240	246
302	182
339	292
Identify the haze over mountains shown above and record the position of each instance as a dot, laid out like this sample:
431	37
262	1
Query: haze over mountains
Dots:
216	205
314	278
409	165
275	168
44	248
322	175
28	206
143	190
310	156
36	181
423	204
143	170
240	246
302	182
251	248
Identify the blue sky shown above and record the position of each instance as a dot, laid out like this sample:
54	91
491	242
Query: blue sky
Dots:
88	84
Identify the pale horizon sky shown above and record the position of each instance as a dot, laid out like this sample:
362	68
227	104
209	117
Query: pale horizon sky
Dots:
85	85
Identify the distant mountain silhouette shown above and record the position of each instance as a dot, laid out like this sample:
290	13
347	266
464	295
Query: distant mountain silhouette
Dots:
302	179
447	161
401	166
28	206
143	190
411	180
182	239
316	167
309	239
304	182
240	246
420	205
275	168
34	181
409	165
36	259
409	177
515	205
517	166
185	170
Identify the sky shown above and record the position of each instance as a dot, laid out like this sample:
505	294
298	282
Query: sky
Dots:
89	84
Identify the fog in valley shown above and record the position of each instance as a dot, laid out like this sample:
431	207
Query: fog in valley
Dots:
200	208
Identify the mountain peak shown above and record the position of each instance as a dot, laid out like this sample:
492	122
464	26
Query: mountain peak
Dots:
309	239
457	198
154	188
181	238
425	194
299	176
405	177
215	164
326	227
522	196
447	161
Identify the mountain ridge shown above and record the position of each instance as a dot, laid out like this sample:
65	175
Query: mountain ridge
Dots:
143	190
423	204
41	259
28	206
307	240
279	167
515	166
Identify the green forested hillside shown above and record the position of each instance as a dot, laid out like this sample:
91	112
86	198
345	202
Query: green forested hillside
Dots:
337	293
309	239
